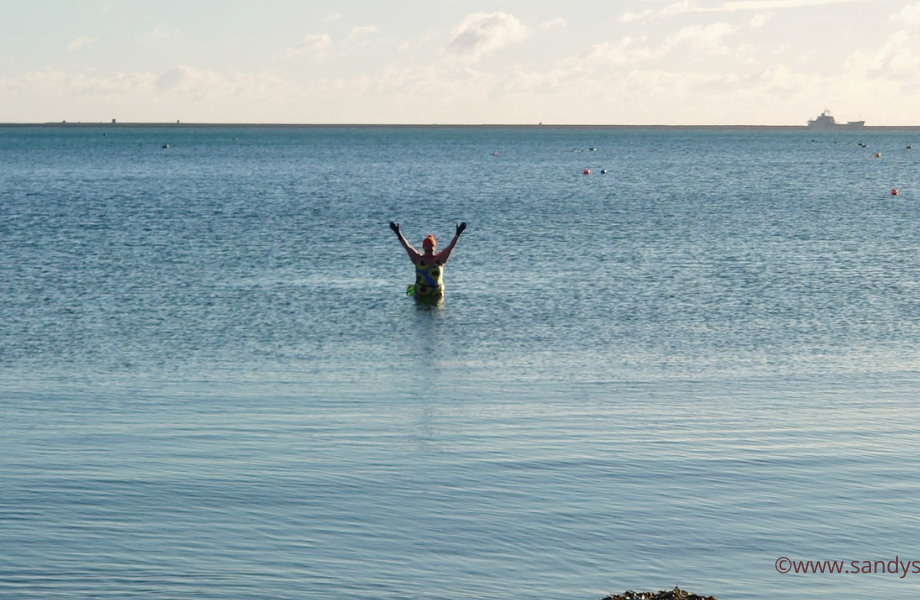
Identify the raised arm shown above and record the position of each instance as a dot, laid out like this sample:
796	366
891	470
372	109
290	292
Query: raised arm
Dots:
444	254
414	254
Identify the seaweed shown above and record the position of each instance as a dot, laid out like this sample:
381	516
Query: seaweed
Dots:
675	594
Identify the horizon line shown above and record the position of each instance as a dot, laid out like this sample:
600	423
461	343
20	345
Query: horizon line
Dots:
178	124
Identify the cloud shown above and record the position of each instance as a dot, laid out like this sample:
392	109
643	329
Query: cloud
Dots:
742	5
81	42
909	15
316	46
359	31
418	42
184	79
704	38
55	82
157	34
708	39
670	10
623	52
686	6
894	60
759	20
482	33
179	81
557	22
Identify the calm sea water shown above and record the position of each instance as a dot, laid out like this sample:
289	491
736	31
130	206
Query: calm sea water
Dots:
212	384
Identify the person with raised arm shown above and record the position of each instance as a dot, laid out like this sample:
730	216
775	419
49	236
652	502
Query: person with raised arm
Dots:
429	266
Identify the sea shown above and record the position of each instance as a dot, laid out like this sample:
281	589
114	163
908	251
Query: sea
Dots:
699	359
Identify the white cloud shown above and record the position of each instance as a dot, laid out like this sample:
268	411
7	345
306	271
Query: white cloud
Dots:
759	20
157	34
745	53
623	52
909	15
418	42
632	17
55	82
180	81
686	6
670	10
359	31
316	46
81	42
557	22
774	4
708	39
183	79
894	60
482	33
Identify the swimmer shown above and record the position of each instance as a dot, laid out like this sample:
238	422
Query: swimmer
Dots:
429	267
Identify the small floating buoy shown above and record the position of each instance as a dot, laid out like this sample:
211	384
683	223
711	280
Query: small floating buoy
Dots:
165	146
603	171
592	149
878	155
495	154
894	192
586	172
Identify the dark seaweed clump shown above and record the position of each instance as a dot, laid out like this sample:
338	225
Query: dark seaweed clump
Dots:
675	594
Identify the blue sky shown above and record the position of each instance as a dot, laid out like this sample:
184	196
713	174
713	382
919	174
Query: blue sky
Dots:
764	62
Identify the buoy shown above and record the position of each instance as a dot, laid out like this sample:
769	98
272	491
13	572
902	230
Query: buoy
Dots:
587	171
878	155
603	171
495	154
165	146
910	147
894	192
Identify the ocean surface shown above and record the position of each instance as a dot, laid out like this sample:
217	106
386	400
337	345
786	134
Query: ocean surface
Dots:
213	386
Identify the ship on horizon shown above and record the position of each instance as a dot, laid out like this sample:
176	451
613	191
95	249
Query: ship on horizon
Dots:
826	121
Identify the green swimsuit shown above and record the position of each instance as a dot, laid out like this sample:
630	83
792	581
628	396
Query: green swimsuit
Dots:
429	284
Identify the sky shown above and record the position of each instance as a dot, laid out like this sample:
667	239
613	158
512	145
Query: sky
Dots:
629	62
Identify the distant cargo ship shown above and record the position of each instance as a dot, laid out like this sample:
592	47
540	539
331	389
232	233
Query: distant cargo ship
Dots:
826	121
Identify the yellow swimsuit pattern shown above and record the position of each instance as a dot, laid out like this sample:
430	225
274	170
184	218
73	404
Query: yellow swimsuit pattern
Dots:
429	284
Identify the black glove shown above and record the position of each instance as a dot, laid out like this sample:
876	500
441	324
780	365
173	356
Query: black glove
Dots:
461	227
394	227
